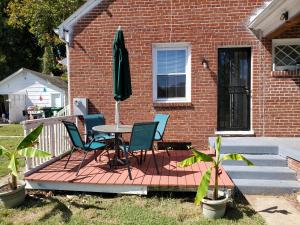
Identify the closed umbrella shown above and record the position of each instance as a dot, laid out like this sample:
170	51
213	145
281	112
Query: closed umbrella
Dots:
121	72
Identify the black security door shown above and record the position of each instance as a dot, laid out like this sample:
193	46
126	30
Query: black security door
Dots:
234	66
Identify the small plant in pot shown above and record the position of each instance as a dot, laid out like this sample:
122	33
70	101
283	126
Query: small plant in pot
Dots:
213	201
13	193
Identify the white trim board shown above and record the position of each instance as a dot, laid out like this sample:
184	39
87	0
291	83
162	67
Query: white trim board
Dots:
267	19
250	132
99	188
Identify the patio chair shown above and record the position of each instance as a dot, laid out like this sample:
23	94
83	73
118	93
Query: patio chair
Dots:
78	144
95	120
163	120
142	138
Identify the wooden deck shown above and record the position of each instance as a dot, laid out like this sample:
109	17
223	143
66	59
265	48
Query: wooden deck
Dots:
97	177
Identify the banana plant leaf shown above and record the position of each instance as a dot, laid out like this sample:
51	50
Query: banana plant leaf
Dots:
203	187
198	157
30	139
5	152
33	152
236	156
13	165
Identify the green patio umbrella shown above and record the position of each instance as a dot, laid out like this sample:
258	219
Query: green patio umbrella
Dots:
121	72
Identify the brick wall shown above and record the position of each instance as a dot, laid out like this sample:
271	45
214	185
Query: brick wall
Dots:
206	25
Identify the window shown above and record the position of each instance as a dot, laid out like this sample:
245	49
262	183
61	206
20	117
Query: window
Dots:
171	71
286	54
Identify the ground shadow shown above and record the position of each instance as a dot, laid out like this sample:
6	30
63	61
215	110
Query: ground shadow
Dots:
274	209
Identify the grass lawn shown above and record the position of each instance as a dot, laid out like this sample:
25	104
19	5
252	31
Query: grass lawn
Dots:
113	209
11	130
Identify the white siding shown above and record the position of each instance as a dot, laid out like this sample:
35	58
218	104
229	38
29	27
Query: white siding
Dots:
37	90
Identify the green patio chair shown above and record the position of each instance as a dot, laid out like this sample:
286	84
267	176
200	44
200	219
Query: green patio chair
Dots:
162	120
95	120
142	138
78	144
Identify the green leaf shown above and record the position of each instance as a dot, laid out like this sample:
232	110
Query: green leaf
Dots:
235	156
13	165
218	147
33	152
5	152
203	187
198	157
30	139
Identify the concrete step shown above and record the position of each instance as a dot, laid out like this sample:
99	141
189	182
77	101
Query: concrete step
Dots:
260	187
260	172
259	160
246	145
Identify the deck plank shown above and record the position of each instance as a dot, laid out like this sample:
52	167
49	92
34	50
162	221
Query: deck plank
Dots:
94	172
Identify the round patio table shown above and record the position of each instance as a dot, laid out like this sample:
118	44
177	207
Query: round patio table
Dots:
117	130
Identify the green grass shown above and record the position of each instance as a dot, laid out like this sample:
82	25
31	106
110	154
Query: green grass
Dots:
113	209
9	143
11	130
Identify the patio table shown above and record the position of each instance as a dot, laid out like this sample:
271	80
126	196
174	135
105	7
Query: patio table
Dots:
117	130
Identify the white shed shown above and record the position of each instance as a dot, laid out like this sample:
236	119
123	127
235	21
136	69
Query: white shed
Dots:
29	88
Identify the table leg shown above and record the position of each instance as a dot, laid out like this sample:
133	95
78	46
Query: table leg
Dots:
117	161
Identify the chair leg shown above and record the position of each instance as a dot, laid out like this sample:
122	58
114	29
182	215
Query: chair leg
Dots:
81	162
95	157
128	165
155	162
145	155
141	159
165	148
69	157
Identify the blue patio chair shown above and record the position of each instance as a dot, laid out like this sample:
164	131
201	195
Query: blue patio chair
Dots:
95	120
78	144
142	138
162	120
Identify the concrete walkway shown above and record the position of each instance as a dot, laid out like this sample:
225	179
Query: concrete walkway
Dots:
276	210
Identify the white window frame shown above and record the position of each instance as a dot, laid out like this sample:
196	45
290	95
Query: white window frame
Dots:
285	41
172	46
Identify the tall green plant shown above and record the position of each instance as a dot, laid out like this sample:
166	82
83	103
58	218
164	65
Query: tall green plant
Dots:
27	149
216	163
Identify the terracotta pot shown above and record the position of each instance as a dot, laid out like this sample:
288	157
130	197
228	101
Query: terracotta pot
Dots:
13	198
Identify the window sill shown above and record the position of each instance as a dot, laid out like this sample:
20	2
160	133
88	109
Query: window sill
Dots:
172	104
286	73
235	133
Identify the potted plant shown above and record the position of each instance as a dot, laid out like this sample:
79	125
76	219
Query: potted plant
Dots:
213	202
13	193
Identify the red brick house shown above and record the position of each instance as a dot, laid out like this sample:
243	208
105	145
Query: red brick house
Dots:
217	67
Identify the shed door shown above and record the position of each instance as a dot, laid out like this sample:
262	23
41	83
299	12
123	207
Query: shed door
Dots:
17	103
234	67
56	100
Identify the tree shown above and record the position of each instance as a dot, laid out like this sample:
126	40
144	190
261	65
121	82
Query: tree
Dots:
42	17
18	47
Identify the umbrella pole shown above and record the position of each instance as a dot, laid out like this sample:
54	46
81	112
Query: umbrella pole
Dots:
117	113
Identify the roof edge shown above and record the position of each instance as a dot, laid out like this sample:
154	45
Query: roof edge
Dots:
65	29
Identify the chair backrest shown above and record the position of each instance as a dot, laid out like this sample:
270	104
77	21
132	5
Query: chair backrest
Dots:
163	120
74	134
142	136
93	120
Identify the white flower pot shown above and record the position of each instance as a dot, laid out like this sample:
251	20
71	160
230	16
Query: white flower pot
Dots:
214	209
13	198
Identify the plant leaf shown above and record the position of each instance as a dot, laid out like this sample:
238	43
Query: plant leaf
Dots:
30	139
5	152
203	187
236	156
33	152
13	165
218	148
198	157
